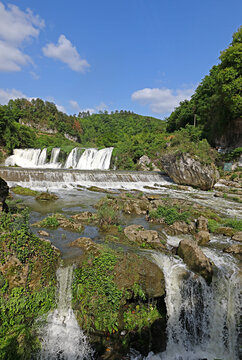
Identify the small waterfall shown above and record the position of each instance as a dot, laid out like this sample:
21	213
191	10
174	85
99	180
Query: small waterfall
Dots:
57	179
73	158
55	152
202	320
24	158
42	158
91	159
62	337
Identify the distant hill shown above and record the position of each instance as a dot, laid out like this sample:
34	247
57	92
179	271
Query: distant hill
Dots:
39	124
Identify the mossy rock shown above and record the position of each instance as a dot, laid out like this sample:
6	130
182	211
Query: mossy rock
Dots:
19	190
45	196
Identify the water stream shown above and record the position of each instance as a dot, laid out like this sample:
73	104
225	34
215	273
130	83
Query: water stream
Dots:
62	339
202	319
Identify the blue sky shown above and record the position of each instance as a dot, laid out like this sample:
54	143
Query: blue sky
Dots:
138	55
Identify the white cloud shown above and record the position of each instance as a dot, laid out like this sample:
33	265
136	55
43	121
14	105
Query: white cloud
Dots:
13	94
16	26
74	104
67	53
91	110
60	108
162	101
34	75
101	107
6	95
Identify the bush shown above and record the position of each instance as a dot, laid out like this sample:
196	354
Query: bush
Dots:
107	215
170	214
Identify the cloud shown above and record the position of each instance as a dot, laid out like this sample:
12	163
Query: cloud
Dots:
91	110
34	75
6	95
101	107
13	94
67	53
162	101
74	104
16	26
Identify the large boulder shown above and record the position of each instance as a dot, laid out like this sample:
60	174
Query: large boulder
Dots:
195	259
185	170
4	190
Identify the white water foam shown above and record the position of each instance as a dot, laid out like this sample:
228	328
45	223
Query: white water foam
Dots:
62	337
202	320
91	159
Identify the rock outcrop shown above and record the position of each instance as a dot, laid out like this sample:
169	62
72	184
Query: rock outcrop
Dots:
4	190
137	234
195	259
185	170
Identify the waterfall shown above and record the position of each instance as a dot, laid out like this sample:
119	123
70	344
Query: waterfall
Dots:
62	337
73	158
24	158
202	320
56	179
91	159
42	158
55	152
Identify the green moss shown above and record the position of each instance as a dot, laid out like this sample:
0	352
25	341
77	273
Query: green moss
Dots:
94	292
24	191
20	305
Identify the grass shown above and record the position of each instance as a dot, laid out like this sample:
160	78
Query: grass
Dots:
19	190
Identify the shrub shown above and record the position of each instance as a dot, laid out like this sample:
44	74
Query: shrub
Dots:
170	214
107	215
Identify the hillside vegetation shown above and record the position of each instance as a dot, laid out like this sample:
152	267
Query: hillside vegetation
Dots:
217	101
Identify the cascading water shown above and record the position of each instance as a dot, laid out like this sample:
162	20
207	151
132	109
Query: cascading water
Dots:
73	158
62	337
202	320
55	152
91	159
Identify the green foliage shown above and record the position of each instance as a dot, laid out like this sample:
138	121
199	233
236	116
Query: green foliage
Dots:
188	140
135	318
213	225
50	222
22	304
95	294
107	215
217	100
170	214
234	223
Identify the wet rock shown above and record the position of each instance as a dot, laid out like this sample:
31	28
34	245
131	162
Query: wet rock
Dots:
202	237
43	233
146	164
4	191
225	230
86	244
137	234
181	227
131	269
237	236
85	217
202	223
234	249
185	170
195	259
45	196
